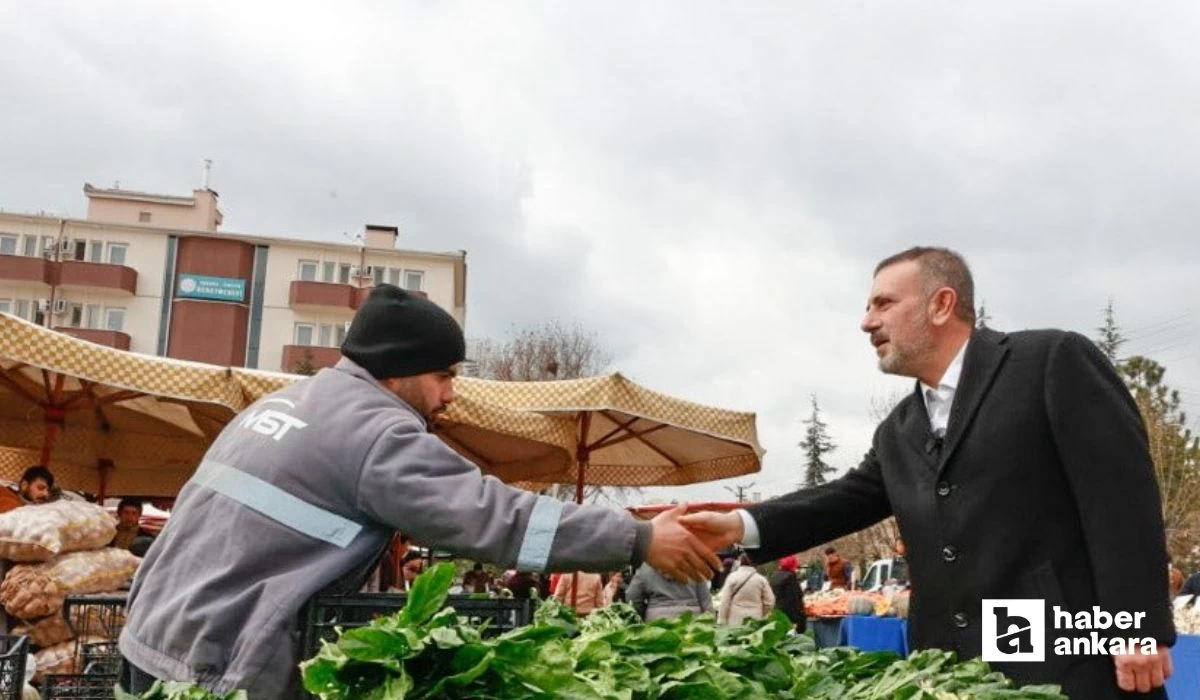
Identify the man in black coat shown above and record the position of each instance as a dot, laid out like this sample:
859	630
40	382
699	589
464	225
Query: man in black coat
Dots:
1017	469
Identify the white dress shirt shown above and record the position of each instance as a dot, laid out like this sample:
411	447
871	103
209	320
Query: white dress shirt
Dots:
937	404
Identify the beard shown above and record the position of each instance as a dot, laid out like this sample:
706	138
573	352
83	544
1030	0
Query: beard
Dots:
905	356
411	394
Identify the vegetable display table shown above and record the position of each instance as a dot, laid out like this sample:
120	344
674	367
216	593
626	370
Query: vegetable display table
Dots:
826	631
875	634
1184	684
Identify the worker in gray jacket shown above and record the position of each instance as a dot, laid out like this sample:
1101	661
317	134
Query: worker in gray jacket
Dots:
302	491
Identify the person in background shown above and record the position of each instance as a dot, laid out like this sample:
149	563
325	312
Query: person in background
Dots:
129	527
476	580
655	596
789	599
838	571
746	594
1174	578
590	595
614	590
719	579
522	584
37	485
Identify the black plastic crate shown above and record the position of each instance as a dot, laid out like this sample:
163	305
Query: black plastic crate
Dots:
100	615
100	657
13	651
87	686
324	613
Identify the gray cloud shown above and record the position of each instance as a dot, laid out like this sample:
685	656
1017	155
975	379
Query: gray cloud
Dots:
708	187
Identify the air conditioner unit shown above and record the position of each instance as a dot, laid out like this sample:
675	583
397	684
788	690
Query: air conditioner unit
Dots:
43	305
61	306
354	271
49	249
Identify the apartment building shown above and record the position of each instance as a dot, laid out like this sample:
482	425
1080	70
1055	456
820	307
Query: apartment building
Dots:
154	274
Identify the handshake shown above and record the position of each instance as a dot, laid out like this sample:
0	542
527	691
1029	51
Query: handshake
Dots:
683	547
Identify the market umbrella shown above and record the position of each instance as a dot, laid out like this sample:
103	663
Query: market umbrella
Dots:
624	434
102	419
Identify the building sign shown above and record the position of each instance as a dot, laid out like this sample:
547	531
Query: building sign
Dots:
214	288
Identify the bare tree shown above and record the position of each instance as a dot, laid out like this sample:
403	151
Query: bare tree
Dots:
548	352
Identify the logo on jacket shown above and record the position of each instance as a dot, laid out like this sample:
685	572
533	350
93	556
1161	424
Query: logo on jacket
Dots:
1014	630
271	422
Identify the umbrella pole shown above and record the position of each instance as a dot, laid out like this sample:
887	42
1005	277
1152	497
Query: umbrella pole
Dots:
581	463
54	417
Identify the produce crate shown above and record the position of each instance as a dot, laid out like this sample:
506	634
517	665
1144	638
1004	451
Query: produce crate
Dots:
86	686
13	651
100	614
100	657
326	612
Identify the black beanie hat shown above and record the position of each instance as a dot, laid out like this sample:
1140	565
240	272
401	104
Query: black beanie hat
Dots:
400	334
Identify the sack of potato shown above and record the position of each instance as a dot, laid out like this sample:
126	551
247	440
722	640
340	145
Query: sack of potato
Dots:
61	658
30	591
47	631
85	619
40	532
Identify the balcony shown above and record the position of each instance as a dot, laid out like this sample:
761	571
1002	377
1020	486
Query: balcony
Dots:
18	268
329	295
297	355
69	273
326	295
76	273
113	339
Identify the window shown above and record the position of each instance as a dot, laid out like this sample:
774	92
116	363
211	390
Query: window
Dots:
5	306
308	270
394	276
31	246
48	246
116	253
8	245
22	308
377	273
80	249
93	316
328	271
413	279
340	334
325	335
304	334
344	273
96	251
77	315
114	319
143	217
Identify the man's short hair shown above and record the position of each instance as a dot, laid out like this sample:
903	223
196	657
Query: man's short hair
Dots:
36	472
941	267
129	502
831	550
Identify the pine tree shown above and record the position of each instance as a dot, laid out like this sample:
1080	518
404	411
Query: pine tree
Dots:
982	318
816	444
1110	340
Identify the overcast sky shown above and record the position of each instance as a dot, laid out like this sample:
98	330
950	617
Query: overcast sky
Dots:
707	185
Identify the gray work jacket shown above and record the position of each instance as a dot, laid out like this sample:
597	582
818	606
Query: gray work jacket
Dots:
302	491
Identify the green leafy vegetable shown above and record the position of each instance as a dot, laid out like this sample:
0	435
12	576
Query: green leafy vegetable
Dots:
427	651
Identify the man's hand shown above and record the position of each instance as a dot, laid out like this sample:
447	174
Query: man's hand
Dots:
1143	672
676	552
716	530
